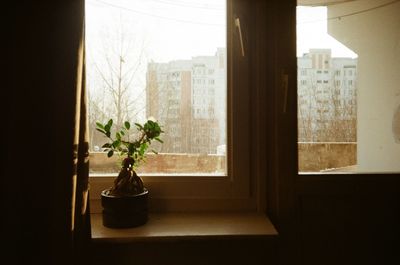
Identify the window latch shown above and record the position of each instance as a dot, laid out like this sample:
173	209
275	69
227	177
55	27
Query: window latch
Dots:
237	24
285	86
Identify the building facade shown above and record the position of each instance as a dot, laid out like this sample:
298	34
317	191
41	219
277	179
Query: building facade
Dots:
188	97
327	97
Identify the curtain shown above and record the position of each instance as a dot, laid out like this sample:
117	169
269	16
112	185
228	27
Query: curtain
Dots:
80	214
45	185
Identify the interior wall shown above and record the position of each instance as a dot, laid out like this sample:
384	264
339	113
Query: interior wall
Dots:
375	36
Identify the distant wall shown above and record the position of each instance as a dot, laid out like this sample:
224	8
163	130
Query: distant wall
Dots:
163	163
314	157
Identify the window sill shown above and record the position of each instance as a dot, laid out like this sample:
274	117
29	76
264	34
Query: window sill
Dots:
187	226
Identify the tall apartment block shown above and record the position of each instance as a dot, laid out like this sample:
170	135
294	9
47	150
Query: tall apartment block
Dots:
327	97
188	97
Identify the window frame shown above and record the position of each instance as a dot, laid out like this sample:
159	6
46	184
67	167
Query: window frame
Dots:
242	188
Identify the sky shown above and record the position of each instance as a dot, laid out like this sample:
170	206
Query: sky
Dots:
177	29
312	33
171	29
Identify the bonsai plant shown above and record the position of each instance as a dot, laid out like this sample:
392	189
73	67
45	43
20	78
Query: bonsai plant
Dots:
125	203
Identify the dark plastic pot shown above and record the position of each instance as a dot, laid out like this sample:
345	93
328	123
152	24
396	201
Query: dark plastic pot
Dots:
124	211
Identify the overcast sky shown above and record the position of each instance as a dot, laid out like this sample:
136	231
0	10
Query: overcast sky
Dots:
312	33
180	29
172	29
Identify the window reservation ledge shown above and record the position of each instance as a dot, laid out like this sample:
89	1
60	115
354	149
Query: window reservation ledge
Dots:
187	226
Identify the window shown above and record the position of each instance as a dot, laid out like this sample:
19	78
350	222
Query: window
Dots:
194	166
357	134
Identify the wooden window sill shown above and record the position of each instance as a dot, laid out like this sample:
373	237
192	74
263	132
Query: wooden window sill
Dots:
187	226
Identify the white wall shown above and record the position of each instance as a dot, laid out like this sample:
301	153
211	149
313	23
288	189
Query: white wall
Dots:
375	36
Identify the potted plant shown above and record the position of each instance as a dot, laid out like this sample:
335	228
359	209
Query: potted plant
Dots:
125	203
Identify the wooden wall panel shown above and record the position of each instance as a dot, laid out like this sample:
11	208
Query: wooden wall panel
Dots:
348	219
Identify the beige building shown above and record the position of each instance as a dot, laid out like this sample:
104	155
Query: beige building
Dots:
188	97
327	97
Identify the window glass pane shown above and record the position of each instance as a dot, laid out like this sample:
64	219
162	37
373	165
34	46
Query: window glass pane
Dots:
161	59
348	86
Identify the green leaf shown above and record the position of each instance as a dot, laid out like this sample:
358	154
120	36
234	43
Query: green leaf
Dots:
110	153
108	126
143	149
108	133
116	143
131	148
127	125
139	125
110	122
118	135
99	125
159	140
106	145
122	132
100	130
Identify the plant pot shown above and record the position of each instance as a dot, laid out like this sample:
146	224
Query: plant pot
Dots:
124	211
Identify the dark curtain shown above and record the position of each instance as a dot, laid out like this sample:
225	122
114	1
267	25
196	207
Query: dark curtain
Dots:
45	214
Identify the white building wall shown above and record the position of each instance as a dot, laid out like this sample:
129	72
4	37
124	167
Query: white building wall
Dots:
375	37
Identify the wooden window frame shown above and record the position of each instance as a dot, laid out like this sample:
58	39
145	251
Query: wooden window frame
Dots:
243	188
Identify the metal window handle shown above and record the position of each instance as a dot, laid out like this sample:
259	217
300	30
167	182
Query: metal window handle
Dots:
237	24
285	86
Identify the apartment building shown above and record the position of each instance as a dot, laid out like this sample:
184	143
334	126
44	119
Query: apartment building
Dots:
188	97
327	97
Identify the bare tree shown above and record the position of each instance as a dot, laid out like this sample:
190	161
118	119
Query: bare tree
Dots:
343	117
117	71
326	115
